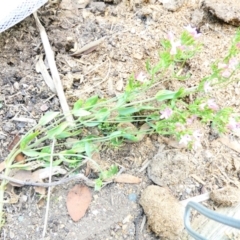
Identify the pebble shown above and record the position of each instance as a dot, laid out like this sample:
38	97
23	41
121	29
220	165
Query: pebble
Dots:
16	85
11	235
8	127
20	218
132	197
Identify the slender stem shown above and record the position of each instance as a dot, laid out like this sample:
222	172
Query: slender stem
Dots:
49	190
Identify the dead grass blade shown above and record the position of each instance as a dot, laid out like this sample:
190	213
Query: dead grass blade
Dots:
88	47
53	68
41	68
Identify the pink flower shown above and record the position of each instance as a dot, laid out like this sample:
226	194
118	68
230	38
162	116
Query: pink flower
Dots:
226	73
191	120
212	105
232	124
192	31
233	62
166	113
170	36
185	139
228	68
141	77
238	45
174	44
207	87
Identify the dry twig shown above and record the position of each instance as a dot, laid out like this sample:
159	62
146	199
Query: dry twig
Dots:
60	182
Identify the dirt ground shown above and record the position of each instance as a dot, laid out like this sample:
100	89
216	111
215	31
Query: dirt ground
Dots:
132	31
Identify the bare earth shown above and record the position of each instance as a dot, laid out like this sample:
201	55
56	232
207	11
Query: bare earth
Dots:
132	32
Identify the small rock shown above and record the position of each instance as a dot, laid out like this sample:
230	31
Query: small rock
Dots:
8	127
227	196
11	235
2	137
16	85
20	218
197	17
164	212
172	5
44	107
127	219
97	6
227	10
132	197
70	142
23	198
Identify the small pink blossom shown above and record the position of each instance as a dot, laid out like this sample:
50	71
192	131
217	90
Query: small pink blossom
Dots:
226	73
170	36
207	87
192	31
174	44
141	77
185	139
233	62
232	124
228	68
166	113
212	105
191	119
238	45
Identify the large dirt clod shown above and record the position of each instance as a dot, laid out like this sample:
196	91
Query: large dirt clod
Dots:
164	213
226	10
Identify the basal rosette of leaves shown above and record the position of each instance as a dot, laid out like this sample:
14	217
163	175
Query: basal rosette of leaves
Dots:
168	113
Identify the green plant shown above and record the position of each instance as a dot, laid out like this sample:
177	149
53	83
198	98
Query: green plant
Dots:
168	112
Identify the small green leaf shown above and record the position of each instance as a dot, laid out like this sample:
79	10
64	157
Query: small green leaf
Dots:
46	150
180	93
66	134
81	112
115	134
148	66
32	153
109	173
90	124
102	114
49	116
127	111
130	137
55	163
27	139
98	184
78	104
67	152
78	147
88	149
90	102
57	130
165	95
